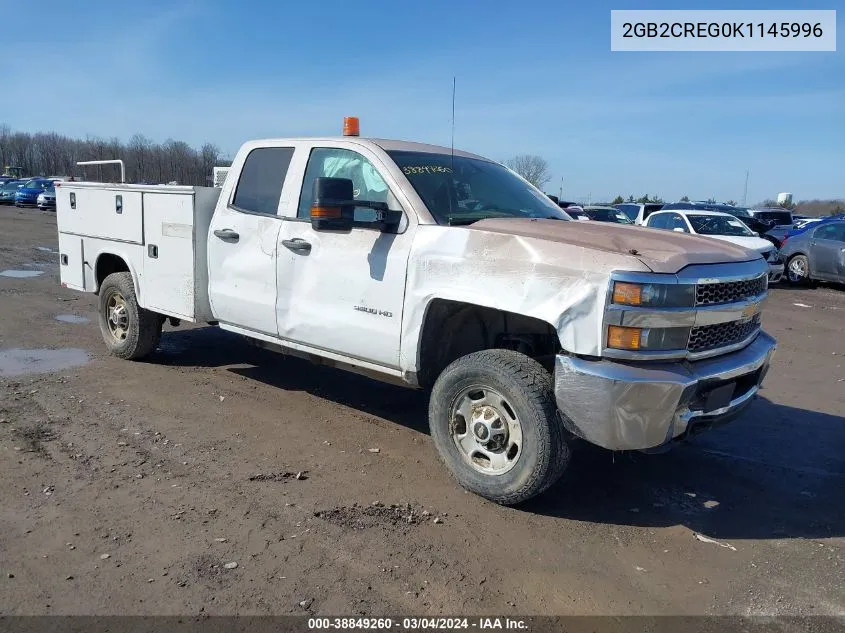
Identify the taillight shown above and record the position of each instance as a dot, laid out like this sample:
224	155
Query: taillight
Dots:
783	241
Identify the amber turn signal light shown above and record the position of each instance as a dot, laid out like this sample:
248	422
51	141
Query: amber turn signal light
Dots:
325	212
619	337
627	294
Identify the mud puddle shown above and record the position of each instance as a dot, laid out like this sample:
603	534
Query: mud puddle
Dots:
21	274
71	318
18	362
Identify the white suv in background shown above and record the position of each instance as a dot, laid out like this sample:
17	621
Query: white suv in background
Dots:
638	212
720	226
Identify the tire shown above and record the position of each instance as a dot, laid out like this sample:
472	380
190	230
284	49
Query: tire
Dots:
793	276
521	391
135	332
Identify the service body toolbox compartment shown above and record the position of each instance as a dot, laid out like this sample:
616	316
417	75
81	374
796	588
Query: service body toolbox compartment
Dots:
159	231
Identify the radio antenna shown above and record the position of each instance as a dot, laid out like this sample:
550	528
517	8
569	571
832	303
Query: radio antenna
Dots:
451	178
454	84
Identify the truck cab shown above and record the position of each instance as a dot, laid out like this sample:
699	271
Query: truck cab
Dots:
437	269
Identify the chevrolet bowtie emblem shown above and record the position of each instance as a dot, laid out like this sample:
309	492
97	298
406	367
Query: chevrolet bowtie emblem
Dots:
750	310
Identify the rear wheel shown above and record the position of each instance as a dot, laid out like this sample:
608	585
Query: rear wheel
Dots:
798	270
129	331
494	423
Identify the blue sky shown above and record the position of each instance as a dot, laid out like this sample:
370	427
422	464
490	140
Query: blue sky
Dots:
532	77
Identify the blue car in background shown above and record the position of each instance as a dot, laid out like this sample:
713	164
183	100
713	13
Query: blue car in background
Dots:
27	196
786	232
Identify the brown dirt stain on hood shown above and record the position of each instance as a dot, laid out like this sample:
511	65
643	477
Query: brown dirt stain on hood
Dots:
662	251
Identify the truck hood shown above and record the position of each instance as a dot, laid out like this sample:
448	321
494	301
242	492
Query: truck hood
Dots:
662	251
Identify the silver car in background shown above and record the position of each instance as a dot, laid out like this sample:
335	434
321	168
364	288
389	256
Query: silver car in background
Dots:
816	254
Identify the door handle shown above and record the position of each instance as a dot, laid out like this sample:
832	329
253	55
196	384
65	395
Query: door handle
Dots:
298	245
227	235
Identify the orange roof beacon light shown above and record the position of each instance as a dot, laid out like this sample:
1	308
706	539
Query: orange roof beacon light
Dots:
351	126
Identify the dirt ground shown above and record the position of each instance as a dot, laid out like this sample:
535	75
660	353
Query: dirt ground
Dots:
134	488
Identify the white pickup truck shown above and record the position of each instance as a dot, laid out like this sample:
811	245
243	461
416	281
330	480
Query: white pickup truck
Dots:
440	270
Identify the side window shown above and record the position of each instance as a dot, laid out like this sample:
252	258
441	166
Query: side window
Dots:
262	177
658	221
367	183
829	232
677	222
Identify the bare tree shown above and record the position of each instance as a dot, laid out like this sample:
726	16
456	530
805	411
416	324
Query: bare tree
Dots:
533	168
51	154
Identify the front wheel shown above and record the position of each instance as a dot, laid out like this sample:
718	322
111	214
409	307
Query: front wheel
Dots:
494	423
798	270
130	331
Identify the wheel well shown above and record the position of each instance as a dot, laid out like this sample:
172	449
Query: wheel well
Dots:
453	329
108	263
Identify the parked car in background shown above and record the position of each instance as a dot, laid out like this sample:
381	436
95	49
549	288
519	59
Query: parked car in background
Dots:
47	199
720	226
27	196
802	222
576	212
757	225
817	253
607	214
773	216
638	212
8	189
565	204
782	233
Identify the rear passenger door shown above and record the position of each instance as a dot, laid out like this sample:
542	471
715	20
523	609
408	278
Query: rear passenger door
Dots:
243	238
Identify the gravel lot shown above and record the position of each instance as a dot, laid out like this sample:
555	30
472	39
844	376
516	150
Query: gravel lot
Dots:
224	479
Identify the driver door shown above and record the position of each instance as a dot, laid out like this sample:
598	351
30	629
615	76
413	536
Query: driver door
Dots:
826	250
344	291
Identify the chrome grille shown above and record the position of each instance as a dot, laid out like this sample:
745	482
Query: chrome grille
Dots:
729	292
707	337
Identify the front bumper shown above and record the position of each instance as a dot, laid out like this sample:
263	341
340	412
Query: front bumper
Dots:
636	406
775	272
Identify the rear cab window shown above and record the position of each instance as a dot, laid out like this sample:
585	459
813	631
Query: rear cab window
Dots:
261	180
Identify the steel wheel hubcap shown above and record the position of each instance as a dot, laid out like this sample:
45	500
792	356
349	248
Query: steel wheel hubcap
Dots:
117	316
485	430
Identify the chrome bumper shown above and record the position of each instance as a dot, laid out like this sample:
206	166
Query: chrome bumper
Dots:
627	406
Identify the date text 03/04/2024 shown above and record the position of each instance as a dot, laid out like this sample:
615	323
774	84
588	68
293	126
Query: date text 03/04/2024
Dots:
411	624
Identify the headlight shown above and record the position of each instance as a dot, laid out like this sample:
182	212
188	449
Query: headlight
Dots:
654	295
647	339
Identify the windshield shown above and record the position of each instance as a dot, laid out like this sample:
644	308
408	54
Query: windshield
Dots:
608	215
460	190
10	186
718	225
51	189
34	184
